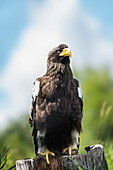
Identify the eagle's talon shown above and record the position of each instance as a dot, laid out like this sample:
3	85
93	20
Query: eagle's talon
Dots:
47	153
42	154
67	149
70	151
64	150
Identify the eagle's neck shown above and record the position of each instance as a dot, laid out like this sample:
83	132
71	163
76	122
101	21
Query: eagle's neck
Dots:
59	69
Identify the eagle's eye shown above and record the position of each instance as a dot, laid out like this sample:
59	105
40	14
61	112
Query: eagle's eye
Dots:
59	51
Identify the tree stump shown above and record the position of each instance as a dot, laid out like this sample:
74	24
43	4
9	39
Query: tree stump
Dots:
95	159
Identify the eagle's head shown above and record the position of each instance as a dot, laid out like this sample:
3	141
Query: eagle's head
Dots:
60	54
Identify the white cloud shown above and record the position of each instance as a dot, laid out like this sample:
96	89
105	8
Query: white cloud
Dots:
51	23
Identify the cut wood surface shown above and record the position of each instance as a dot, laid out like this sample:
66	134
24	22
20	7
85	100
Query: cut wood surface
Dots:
94	160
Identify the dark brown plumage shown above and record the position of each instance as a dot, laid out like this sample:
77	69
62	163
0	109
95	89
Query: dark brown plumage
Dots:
56	112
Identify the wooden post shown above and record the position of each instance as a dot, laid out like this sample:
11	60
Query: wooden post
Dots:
95	159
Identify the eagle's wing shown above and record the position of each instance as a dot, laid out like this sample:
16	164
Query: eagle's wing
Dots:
32	119
35	91
77	115
79	94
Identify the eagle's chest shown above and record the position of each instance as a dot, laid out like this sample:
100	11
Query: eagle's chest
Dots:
57	86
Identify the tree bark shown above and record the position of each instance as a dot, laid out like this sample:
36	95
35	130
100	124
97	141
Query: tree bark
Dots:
94	159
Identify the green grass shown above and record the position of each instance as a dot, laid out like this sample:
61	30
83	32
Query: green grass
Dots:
109	154
4	159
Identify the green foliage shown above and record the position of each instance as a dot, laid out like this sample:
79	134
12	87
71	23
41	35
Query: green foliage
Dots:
4	157
105	122
109	154
19	136
97	121
97	88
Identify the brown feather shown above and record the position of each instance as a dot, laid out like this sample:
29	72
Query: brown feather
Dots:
58	105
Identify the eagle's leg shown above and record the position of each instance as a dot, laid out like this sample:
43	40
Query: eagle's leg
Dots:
75	136
42	149
74	147
47	153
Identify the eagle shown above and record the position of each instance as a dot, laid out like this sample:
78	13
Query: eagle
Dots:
57	107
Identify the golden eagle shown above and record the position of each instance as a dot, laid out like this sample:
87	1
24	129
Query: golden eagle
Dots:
56	112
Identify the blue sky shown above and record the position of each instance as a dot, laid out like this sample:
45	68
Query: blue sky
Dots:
30	28
14	18
103	11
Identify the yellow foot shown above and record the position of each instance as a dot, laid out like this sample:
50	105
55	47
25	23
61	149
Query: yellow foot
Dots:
46	153
69	150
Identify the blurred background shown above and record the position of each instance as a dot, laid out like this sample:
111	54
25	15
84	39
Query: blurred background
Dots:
29	29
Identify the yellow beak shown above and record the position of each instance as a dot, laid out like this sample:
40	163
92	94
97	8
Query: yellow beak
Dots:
65	52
